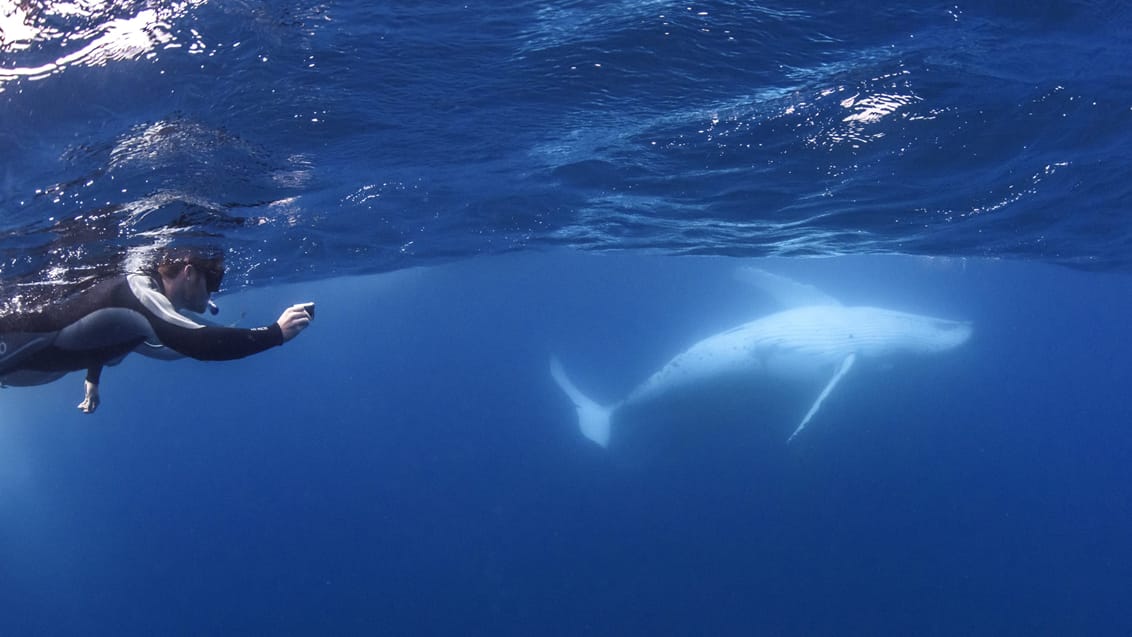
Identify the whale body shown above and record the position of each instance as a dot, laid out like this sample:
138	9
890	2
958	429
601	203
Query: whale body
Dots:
807	343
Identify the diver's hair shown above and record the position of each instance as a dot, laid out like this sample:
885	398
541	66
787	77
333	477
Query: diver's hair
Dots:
173	260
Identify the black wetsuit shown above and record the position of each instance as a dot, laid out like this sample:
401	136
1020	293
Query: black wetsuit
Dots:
101	325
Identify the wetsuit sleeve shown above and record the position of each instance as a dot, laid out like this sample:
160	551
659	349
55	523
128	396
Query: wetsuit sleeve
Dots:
210	343
202	342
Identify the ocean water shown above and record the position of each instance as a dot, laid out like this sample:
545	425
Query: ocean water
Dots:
468	190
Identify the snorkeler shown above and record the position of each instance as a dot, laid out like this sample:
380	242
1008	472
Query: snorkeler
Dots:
138	312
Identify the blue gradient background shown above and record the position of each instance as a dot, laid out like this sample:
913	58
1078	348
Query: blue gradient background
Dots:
465	190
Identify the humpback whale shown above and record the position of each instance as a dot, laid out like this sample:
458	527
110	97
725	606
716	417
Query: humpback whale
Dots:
817	339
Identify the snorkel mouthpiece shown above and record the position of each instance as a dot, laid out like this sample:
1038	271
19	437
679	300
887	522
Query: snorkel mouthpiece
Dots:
212	308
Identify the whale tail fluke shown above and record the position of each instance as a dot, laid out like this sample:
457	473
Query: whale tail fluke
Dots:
593	419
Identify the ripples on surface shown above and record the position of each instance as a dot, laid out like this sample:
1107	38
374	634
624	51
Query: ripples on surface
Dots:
318	140
85	34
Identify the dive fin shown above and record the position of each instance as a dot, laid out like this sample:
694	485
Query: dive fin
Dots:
593	419
845	365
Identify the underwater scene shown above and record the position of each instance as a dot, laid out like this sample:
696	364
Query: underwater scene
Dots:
570	318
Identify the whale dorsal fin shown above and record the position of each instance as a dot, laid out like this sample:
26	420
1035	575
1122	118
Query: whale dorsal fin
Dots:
787	292
845	365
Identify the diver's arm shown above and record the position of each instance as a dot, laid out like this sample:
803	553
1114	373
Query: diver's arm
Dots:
90	384
179	334
209	343
227	343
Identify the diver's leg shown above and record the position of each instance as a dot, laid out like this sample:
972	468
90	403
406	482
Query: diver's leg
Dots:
108	327
17	347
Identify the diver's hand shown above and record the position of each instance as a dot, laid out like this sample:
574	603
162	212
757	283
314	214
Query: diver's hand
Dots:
91	402
295	319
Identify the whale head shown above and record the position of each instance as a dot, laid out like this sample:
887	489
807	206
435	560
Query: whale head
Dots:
946	334
929	335
881	332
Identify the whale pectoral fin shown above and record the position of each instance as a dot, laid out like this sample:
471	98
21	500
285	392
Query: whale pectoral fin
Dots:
845	365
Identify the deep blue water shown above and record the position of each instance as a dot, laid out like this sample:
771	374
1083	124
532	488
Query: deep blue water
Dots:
467	190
